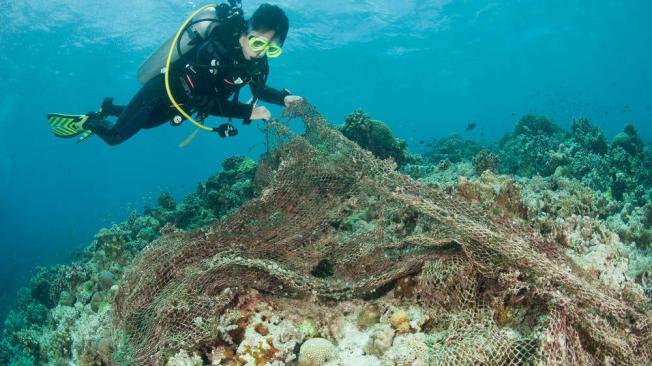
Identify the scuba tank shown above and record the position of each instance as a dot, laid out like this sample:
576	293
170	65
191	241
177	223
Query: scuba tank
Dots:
197	30
155	64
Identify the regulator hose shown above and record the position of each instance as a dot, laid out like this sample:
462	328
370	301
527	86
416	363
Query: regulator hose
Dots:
167	71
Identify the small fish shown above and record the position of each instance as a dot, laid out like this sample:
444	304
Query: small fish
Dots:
513	114
471	126
606	112
587	104
422	142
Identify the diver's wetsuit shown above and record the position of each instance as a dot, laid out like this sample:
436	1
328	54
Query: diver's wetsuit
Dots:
197	88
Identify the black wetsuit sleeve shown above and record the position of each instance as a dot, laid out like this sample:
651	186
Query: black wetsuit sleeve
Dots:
265	93
226	108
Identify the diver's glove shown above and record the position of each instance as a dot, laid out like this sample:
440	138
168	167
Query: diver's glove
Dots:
226	130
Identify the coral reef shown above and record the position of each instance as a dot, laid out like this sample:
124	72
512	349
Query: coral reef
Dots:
613	180
629	141
453	148
65	313
212	200
478	282
589	137
183	359
232	187
370	315
485	160
633	224
525	152
317	352
376	137
533	251
621	168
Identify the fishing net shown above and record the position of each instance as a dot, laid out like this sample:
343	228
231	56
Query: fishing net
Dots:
333	222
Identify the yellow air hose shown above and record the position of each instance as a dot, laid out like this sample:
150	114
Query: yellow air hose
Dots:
167	70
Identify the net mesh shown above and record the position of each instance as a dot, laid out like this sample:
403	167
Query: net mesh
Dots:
334	221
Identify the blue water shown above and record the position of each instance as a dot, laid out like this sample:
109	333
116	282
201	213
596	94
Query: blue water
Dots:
427	68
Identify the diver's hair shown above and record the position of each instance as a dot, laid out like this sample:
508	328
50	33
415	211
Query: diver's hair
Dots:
270	18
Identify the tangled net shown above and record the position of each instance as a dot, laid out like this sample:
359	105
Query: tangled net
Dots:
336	222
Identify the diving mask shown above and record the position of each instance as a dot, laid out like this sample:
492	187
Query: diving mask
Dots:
259	44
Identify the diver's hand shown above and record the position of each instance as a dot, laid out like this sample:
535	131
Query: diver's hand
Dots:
227	130
260	113
291	99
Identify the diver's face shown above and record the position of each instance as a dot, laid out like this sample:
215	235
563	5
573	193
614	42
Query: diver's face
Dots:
246	49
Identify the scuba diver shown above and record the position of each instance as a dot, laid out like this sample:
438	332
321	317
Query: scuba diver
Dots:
199	71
